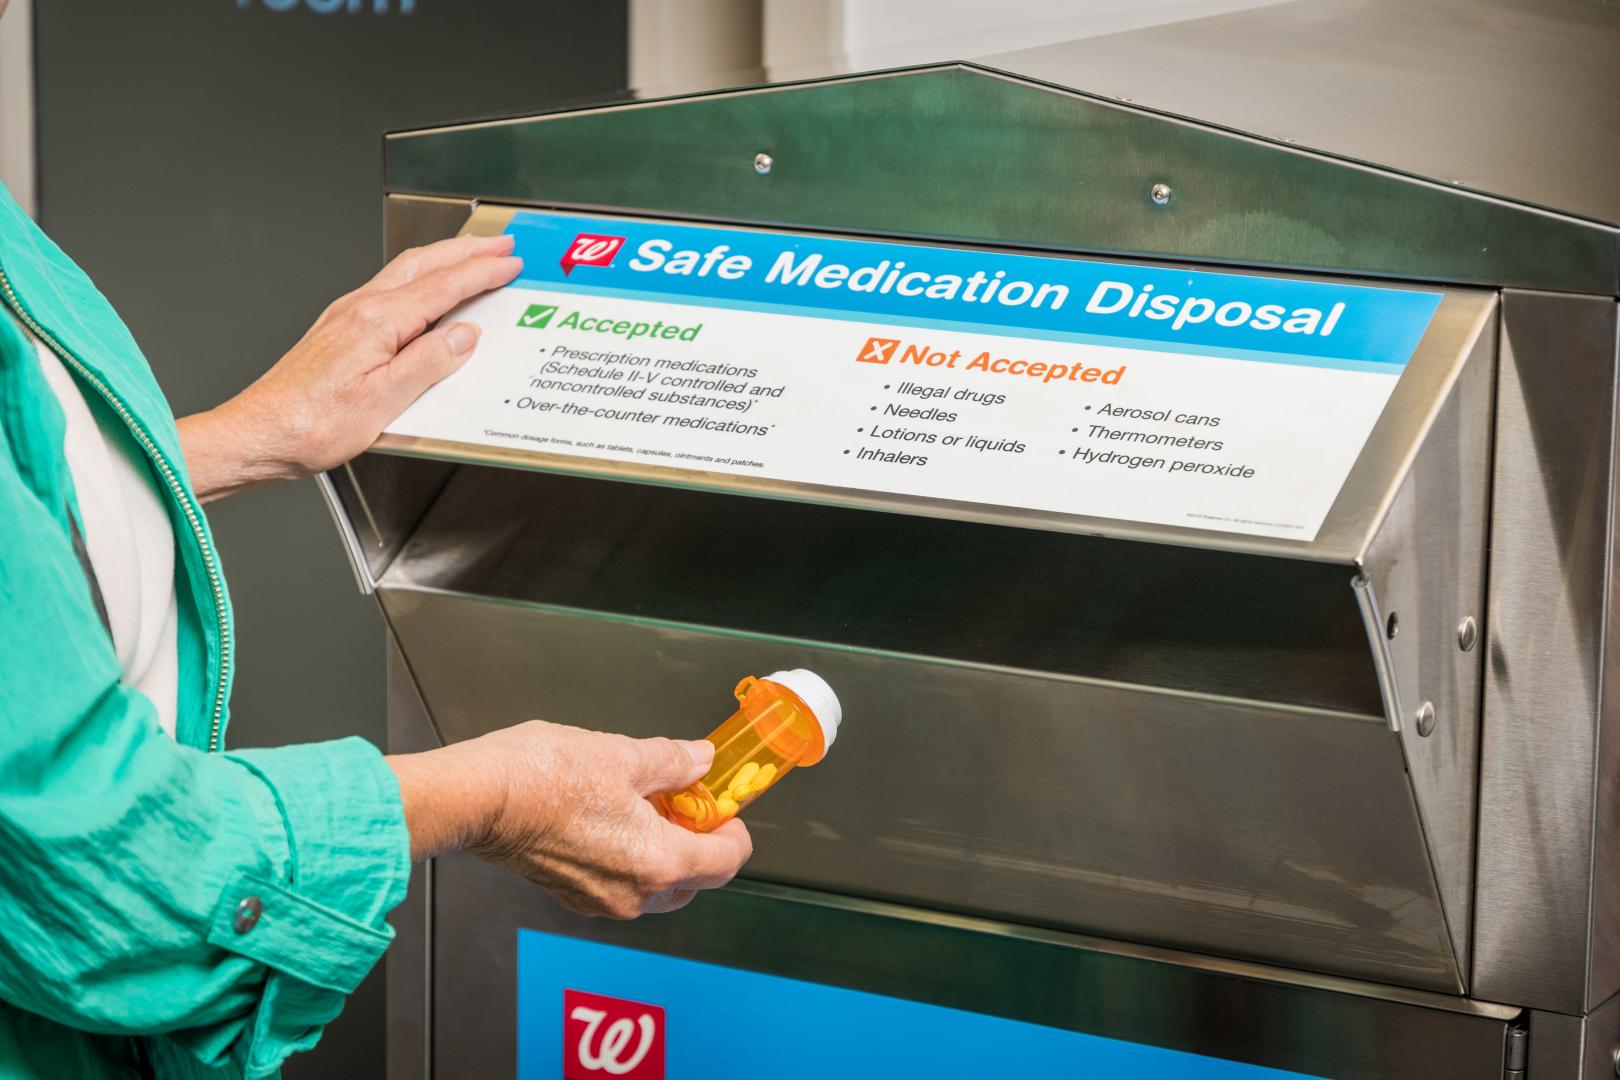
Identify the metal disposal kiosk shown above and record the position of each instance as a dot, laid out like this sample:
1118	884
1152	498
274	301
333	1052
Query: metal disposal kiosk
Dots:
1189	453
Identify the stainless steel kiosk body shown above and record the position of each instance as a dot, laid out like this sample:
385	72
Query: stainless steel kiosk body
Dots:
1167	786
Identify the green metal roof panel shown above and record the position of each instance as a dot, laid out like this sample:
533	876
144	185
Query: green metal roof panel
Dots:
963	154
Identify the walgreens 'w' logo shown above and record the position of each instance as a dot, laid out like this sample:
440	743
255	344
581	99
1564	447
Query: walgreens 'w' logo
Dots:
590	249
610	1037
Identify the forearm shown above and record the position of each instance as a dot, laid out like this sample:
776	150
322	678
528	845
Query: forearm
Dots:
225	454
451	797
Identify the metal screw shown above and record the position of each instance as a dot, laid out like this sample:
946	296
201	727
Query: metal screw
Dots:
1425	719
763	163
1615	1055
1161	194
1467	634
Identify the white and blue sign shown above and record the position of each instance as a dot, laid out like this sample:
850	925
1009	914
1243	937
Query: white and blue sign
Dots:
1028	294
588	1011
1111	391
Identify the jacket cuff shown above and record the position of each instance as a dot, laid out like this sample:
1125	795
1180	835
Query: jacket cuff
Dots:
337	809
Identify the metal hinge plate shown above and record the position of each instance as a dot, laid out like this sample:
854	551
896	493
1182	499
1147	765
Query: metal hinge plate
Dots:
1515	1051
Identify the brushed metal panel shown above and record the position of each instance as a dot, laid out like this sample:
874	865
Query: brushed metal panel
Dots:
1604	970
966	154
1317	1025
1575	1047
1602	1041
1427	563
378	501
413	220
1233	827
1542	870
1429	89
1174	617
1557	1047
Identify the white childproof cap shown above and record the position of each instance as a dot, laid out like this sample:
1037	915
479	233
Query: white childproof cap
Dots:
813	690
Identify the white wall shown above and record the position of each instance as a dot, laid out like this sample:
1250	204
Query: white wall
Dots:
678	45
889	33
802	35
17	102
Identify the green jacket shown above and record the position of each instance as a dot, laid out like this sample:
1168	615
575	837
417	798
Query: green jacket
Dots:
124	854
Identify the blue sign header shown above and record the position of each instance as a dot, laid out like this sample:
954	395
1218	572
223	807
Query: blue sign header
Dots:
1028	295
588	1011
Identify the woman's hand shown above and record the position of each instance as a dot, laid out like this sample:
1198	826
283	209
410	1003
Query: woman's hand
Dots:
366	358
568	809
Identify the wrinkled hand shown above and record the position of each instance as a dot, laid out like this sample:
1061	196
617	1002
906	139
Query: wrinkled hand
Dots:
568	809
367	357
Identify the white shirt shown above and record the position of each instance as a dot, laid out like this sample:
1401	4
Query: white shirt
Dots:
128	536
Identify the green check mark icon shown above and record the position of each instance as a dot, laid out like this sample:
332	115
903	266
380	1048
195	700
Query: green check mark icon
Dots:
538	317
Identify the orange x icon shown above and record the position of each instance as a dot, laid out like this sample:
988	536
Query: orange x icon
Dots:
878	350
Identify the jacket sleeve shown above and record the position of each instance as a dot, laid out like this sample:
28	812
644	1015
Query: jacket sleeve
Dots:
126	858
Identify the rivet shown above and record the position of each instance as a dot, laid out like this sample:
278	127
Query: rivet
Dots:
1425	719
763	163
1160	194
247	914
1467	634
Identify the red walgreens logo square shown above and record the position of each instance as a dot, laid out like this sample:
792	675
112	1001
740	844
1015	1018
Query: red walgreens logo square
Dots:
591	249
605	1037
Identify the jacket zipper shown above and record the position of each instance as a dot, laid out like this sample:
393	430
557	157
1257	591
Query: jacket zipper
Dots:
187	504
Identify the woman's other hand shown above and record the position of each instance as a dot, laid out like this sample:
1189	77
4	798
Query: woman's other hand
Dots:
568	809
367	357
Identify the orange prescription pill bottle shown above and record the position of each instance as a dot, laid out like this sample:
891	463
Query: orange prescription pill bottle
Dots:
784	720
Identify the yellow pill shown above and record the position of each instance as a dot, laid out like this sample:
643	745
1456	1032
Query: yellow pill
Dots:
767	773
686	806
746	774
726	806
740	791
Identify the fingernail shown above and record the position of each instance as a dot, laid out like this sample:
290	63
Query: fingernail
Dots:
702	750
508	242
462	337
